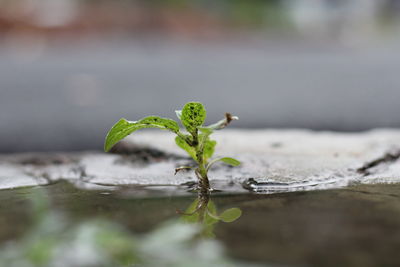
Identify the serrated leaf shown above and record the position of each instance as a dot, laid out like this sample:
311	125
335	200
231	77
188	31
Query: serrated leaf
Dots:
193	116
230	215
209	148
124	128
182	144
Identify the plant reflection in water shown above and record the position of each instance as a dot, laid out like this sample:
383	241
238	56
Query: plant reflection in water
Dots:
55	241
204	212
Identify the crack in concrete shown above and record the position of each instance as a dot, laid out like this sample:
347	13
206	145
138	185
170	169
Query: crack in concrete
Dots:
387	158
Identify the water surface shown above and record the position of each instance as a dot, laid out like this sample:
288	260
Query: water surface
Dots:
358	226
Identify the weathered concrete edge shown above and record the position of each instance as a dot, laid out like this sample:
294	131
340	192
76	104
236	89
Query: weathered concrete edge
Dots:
277	160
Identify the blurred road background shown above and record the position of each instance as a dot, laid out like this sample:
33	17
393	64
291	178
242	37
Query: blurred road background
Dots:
69	69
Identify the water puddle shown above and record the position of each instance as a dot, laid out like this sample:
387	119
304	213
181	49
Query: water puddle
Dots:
60	223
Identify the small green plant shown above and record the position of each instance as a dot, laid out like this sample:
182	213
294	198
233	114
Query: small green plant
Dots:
196	142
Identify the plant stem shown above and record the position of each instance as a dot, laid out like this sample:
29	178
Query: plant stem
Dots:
201	170
204	184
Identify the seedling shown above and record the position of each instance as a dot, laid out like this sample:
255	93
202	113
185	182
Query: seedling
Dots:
196	142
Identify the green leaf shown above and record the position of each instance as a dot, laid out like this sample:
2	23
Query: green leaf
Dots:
227	160
230	161
158	122
209	147
230	215
182	144
124	128
193	116
119	131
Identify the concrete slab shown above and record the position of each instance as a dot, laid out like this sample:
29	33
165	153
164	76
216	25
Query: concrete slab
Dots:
272	161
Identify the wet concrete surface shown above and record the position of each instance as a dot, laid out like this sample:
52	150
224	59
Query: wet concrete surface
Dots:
303	160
